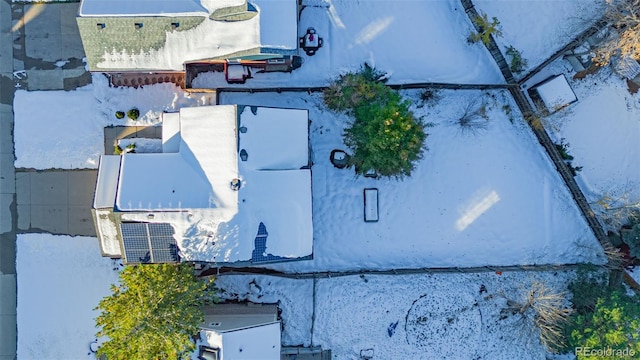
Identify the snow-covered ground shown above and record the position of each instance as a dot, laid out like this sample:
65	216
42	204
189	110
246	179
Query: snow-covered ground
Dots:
603	140
444	316
485	198
539	28
414	41
61	279
64	129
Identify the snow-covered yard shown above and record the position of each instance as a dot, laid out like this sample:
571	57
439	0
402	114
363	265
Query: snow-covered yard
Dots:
479	197
415	41
539	28
64	129
444	316
61	279
603	140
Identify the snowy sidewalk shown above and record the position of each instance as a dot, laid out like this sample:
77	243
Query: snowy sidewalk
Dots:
7	191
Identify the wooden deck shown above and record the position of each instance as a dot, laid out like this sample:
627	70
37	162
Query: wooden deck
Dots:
140	79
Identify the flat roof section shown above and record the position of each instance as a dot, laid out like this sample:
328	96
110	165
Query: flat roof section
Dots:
107	183
274	139
556	93
278	23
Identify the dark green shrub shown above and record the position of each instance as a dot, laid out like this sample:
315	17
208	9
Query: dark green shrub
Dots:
517	64
352	89
119	114
387	139
563	149
485	28
129	149
384	136
604	318
133	114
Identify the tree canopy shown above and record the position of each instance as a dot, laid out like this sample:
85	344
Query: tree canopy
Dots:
384	135
153	313
624	38
604	319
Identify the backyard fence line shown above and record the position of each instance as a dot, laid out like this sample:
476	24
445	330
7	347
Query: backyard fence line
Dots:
403	271
492	46
420	85
544	140
582	37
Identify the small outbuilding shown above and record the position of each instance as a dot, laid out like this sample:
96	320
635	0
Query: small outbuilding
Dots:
553	94
240	332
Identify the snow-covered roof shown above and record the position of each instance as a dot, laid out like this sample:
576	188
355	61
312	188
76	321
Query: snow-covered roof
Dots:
626	66
260	342
107	233
170	132
113	43
106	184
278	23
197	176
274	138
556	93
282	201
142	8
191	188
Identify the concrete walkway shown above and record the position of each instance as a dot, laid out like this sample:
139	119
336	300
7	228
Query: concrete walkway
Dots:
57	202
8	328
43	52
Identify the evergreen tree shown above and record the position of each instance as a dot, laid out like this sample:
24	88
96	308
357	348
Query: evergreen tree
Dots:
604	318
153	313
384	136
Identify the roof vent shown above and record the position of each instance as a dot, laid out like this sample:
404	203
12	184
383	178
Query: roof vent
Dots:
235	184
243	129
243	155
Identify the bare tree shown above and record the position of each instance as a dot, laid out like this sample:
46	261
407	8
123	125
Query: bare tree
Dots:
623	16
617	209
473	116
546	308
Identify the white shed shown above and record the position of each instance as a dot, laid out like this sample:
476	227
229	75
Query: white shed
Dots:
241	332
554	93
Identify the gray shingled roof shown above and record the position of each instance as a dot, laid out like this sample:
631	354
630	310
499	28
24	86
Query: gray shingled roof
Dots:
120	34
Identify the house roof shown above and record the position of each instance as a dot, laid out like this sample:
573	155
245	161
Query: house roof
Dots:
255	343
197	176
230	317
141	8
556	93
113	42
626	66
106	184
190	189
278	28
269	141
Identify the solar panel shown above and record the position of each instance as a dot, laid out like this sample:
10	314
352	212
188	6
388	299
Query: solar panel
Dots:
160	229
260	247
149	242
